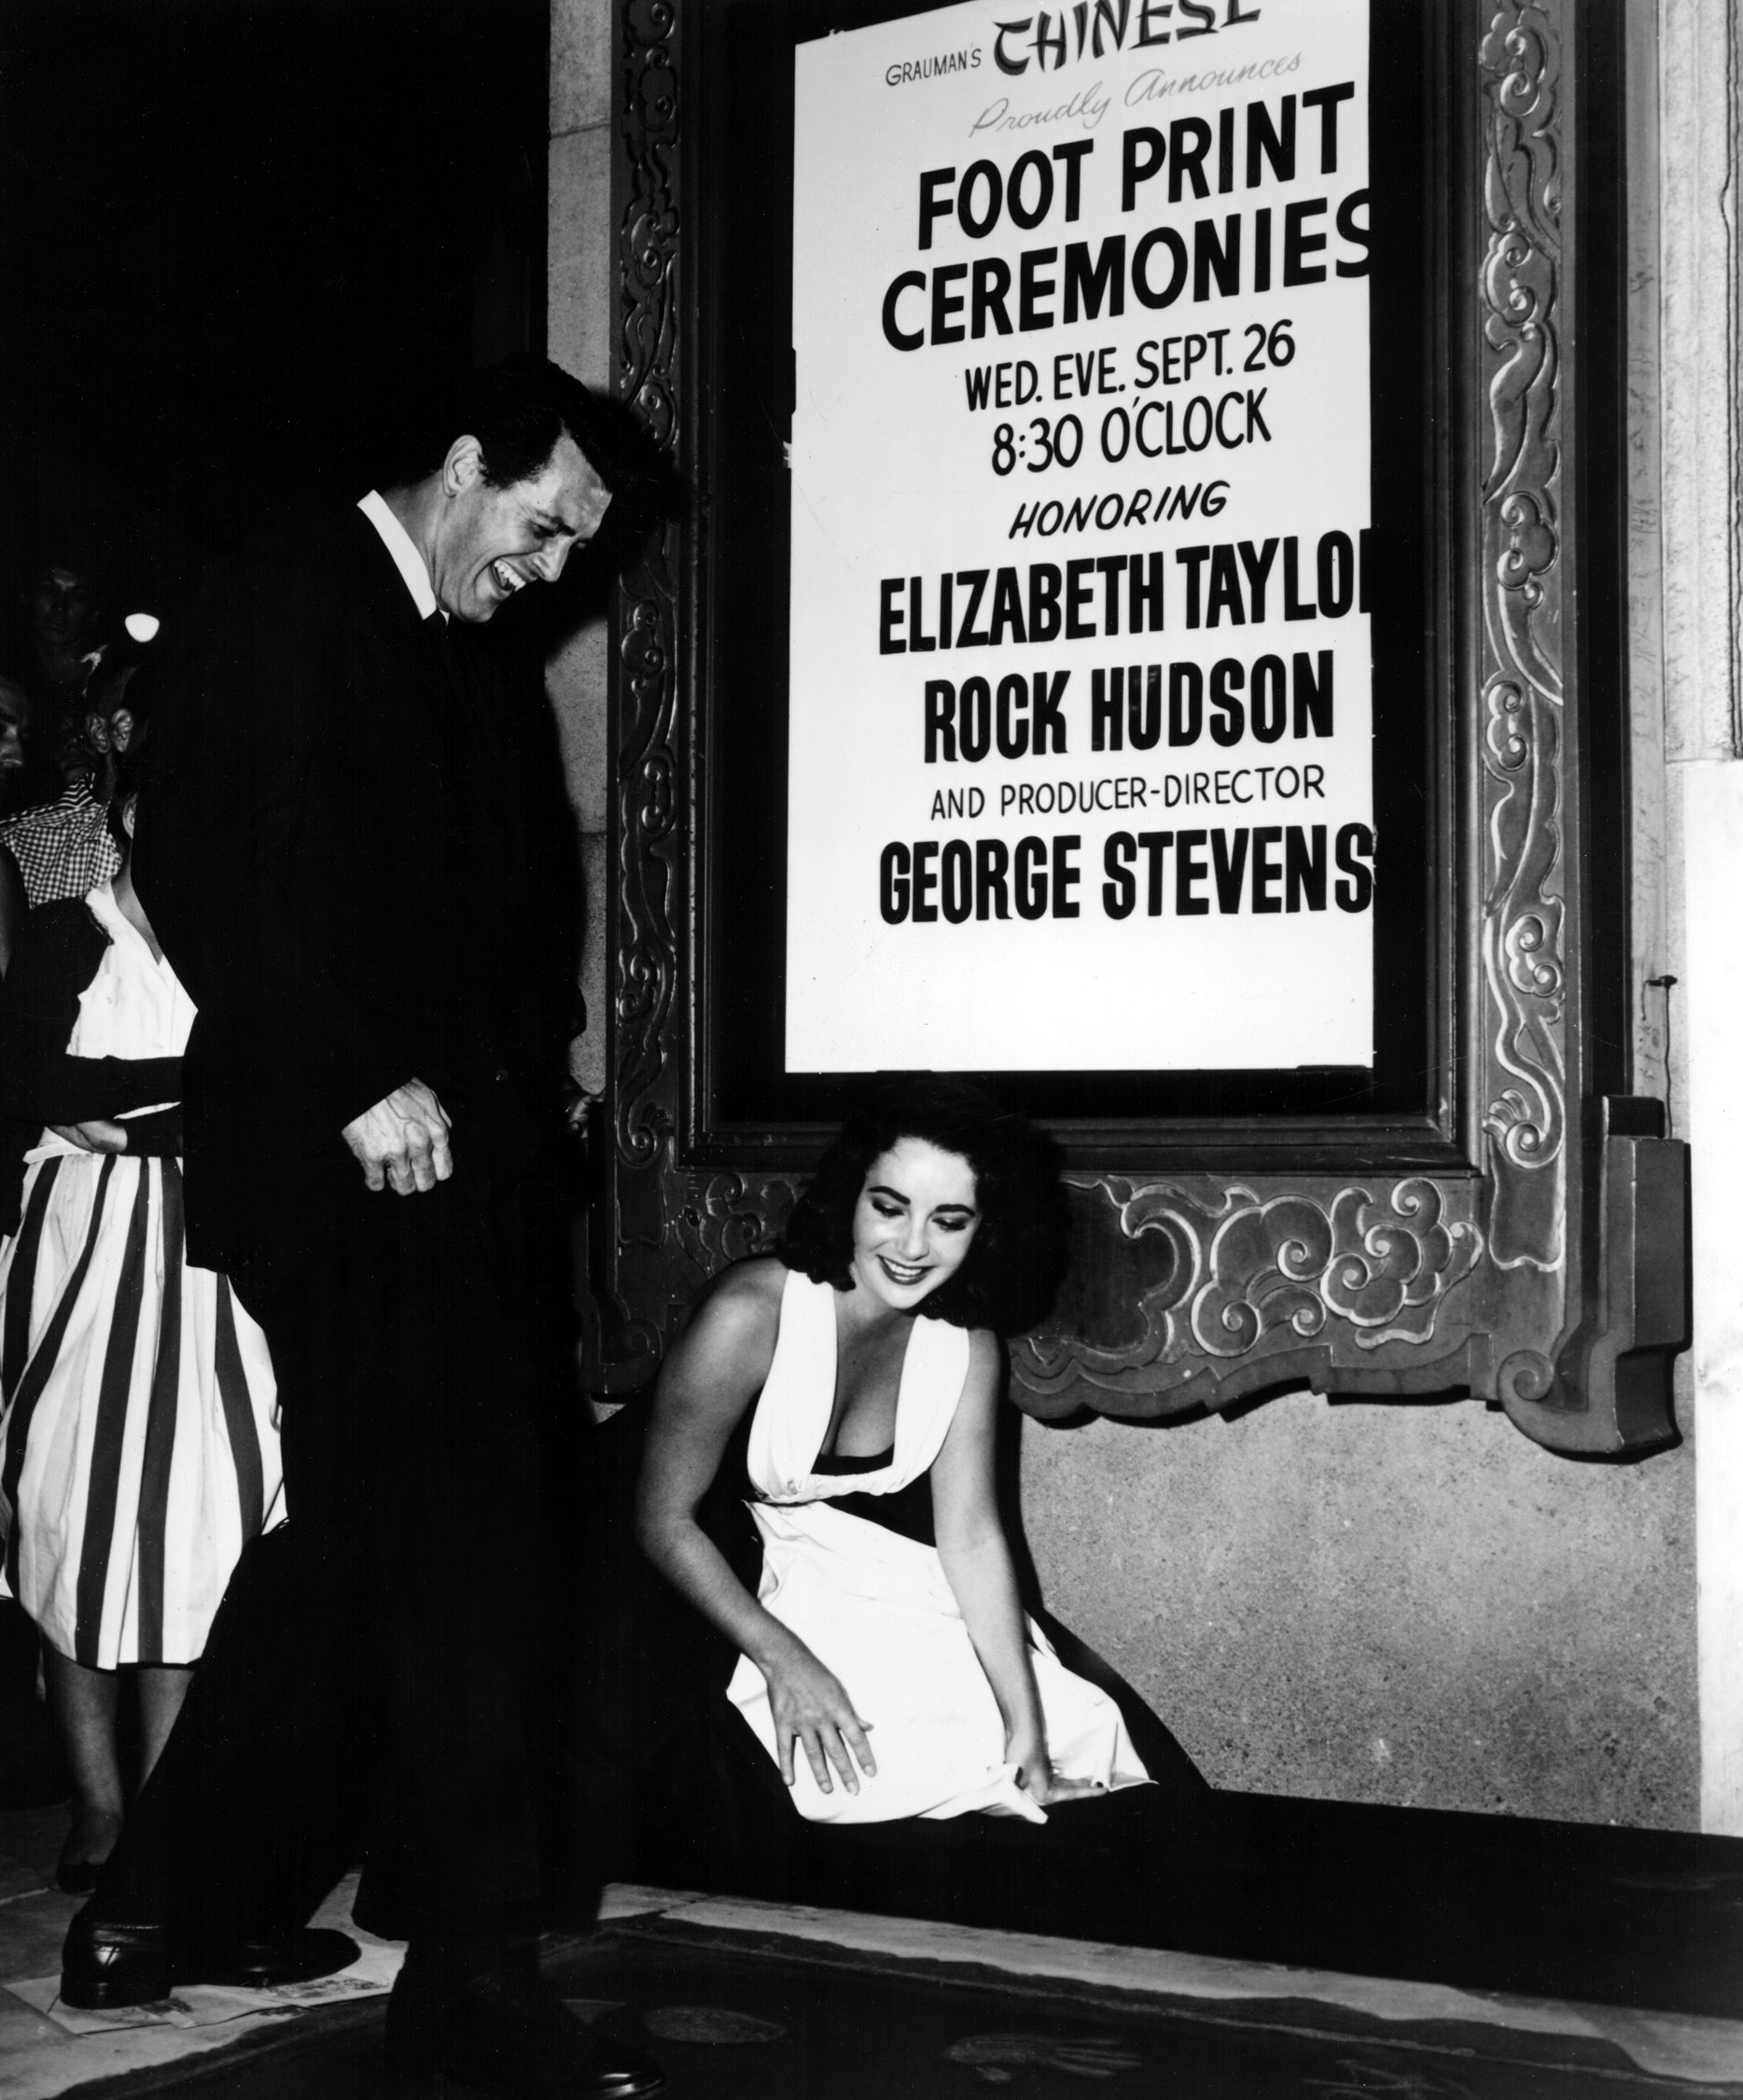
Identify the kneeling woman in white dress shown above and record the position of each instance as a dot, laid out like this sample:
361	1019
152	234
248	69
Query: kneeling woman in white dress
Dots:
139	1447
885	1662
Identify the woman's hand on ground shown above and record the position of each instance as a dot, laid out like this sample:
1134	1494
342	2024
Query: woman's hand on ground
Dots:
809	1705
1058	1790
1037	1777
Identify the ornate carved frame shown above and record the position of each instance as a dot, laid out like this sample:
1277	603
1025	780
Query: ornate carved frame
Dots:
1531	1248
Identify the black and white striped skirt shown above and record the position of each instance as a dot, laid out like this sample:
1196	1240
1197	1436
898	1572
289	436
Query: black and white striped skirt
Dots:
138	1438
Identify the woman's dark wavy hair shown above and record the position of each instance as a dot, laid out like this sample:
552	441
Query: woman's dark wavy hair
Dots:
1015	1264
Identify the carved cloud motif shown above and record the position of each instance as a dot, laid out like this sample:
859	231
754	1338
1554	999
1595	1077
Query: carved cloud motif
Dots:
1383	1268
1248	1280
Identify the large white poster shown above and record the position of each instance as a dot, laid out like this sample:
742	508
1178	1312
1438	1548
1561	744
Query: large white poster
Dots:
1080	740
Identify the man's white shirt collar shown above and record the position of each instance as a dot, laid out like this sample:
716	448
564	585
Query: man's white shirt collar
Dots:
407	559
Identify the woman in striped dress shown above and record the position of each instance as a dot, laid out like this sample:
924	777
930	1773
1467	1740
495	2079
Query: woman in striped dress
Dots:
138	1439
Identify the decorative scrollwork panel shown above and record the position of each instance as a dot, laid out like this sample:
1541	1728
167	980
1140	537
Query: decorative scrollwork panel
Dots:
1244	1288
1525	758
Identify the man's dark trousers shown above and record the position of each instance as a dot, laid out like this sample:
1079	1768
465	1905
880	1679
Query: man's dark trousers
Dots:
369	1670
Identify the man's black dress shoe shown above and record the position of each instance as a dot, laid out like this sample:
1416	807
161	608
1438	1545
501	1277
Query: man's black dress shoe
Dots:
107	1965
500	2030
104	1966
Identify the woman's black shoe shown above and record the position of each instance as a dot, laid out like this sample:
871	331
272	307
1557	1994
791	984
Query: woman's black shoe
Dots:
77	1877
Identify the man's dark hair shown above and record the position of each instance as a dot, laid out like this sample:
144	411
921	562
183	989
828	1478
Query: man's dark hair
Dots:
66	549
1012	1269
518	410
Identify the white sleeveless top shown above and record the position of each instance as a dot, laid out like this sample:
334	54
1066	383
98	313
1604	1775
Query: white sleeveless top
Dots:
793	1410
133	1007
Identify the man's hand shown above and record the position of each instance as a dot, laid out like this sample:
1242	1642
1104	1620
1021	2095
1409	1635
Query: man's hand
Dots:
95	1136
403	1141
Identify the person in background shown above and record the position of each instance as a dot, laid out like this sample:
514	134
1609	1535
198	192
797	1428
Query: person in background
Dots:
14	742
14	904
138	1439
65	848
64	644
111	720
32	1771
14	734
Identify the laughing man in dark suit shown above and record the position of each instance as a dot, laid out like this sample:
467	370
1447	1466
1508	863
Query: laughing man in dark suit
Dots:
342	852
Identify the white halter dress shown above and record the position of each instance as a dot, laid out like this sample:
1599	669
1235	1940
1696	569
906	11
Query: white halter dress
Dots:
876	1608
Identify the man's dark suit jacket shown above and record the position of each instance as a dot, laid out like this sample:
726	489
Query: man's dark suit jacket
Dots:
345	845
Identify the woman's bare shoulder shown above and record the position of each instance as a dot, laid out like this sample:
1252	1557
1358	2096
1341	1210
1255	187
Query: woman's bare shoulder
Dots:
985	1374
750	1290
986	1353
750	1287
742	1310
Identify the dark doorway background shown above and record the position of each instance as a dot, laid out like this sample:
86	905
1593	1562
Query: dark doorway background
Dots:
237	239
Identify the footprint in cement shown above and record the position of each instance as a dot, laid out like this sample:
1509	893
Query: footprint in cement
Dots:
998	2058
708	2023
